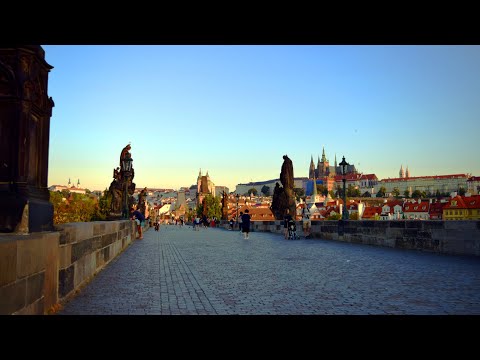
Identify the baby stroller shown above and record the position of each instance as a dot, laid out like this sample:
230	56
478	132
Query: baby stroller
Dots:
292	230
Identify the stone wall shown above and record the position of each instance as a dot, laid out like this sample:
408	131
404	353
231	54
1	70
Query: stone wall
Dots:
40	270
447	237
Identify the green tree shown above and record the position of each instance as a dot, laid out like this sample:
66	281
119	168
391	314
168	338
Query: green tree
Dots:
299	192
75	208
334	217
322	189
396	192
213	205
104	204
381	192
367	194
417	194
266	190
406	193
352	191
461	191
353	216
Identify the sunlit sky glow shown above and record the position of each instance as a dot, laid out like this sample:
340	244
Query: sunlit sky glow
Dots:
236	110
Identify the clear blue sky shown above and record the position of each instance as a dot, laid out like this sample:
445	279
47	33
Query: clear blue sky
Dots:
236	110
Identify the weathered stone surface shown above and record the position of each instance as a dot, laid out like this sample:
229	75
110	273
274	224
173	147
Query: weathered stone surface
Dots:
413	224
99	229
65	256
36	308
8	261
284	197
35	284
12	297
25	112
65	281
31	255
50	290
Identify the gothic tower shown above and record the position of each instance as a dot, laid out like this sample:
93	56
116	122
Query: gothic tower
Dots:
25	111
401	173
311	170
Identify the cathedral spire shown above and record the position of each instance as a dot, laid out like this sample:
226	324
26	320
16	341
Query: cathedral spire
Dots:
314	192
407	173
311	169
324	158
401	173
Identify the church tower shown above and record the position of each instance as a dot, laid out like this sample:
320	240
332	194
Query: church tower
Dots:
407	173
401	173
314	192
311	170
199	182
324	168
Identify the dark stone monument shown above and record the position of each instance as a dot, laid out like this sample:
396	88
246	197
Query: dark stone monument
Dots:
25	111
122	187
284	197
142	198
224	205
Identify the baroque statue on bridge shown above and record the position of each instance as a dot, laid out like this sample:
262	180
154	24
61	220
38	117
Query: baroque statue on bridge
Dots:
284	197
122	188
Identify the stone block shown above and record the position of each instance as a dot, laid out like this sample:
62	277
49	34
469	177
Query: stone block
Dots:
31	255
108	239
65	256
460	224
84	231
381	224
65	281
52	251
80	249
79	277
90	265
12	297
397	224
8	261
36	308
68	234
35	284
99	228
106	254
413	224
100	260
433	224
365	224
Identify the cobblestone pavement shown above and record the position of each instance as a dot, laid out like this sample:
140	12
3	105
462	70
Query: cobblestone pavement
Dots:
216	271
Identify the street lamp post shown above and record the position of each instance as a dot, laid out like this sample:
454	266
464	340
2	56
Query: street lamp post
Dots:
238	197
343	166
127	168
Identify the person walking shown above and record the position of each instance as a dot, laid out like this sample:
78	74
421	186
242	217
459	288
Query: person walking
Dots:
246	224
286	219
306	222
139	219
240	222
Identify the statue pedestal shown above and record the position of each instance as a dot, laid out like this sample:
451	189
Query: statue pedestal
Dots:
23	215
